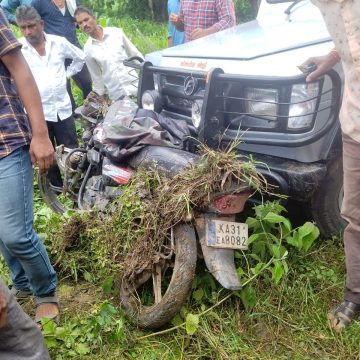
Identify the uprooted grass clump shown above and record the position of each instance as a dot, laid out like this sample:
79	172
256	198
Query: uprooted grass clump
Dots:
129	237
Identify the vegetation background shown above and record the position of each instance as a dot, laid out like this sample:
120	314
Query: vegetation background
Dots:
282	319
156	10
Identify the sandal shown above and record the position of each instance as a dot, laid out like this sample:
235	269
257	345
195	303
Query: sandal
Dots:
47	308
342	316
21	295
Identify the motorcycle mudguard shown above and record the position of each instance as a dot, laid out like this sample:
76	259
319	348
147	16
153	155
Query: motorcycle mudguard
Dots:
220	262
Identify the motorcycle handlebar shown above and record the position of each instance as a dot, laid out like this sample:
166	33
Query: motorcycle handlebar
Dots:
133	61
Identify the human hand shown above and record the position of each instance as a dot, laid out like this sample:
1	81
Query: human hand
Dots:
3	309
174	19
41	153
199	33
323	65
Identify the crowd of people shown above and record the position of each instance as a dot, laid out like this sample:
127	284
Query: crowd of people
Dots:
37	114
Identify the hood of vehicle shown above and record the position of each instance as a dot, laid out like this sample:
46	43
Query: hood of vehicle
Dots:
252	40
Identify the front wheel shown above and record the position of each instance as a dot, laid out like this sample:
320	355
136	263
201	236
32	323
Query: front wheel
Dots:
327	200
156	295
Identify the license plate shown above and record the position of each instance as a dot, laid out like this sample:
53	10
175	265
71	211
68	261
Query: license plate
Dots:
226	234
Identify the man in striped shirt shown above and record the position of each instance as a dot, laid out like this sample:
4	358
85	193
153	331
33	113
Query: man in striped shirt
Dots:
198	18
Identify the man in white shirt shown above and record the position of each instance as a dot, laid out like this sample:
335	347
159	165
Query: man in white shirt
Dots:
105	50
45	55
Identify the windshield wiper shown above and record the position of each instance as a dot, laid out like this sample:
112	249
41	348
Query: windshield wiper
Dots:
288	10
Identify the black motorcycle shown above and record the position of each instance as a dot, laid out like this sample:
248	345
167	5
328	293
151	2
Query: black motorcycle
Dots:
94	174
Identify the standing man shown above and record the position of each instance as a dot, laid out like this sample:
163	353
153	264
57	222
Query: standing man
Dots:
200	18
105	50
20	338
175	37
58	17
343	20
24	141
45	55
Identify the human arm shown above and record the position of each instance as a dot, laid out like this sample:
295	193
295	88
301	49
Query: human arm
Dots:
171	27
8	6
323	64
96	75
75	54
41	149
177	20
130	48
226	18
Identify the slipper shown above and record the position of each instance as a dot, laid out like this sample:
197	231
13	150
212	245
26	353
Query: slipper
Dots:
342	316
21	295
47	308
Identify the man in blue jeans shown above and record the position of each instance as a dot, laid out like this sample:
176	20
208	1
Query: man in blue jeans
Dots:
24	142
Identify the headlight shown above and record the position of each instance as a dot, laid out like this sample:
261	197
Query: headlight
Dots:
303	105
151	100
262	102
196	112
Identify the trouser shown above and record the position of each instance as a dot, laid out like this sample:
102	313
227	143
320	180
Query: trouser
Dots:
82	79
351	213
20	338
61	132
20	246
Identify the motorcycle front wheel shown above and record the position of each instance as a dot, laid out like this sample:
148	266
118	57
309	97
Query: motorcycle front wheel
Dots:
157	295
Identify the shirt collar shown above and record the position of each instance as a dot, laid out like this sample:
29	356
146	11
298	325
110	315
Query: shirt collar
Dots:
26	44
105	35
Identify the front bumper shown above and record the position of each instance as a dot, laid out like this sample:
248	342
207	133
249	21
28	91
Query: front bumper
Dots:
297	180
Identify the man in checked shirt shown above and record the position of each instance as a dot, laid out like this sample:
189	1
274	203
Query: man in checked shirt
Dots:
24	142
199	18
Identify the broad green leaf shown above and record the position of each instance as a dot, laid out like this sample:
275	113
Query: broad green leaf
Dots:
254	237
198	295
252	222
294	240
240	271
257	269
255	257
51	342
287	224
273	218
311	236
191	323
82	349
306	229
60	333
48	326
277	272
276	251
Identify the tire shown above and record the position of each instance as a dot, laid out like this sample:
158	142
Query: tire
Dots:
158	314
326	201
50	196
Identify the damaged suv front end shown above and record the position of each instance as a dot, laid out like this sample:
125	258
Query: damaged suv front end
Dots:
244	84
